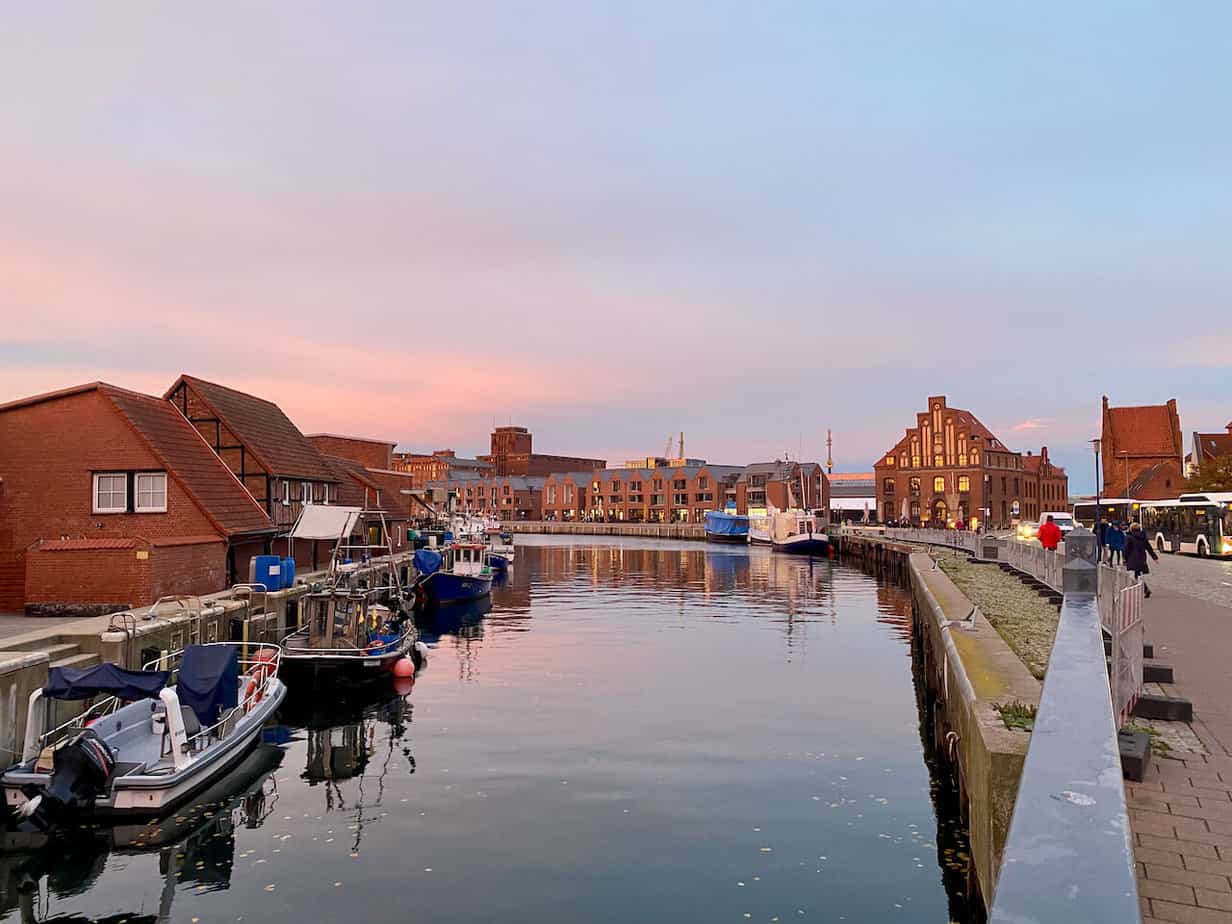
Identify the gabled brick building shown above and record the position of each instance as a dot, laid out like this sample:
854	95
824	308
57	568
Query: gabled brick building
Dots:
951	467
109	499
513	497
1208	446
1142	450
259	444
782	484
368	453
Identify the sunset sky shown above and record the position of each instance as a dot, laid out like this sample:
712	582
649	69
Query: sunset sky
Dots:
614	221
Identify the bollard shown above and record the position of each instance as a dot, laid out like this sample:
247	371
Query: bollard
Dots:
1080	546
1079	576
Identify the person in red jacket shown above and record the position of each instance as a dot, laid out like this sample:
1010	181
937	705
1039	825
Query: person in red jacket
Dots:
1049	534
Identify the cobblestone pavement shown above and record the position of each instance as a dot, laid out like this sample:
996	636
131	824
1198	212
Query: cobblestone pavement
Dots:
1208	579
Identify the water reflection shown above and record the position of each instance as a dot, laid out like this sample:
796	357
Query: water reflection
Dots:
195	848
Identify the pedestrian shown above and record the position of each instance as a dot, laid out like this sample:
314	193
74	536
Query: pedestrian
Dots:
1116	543
1101	537
1137	547
1050	534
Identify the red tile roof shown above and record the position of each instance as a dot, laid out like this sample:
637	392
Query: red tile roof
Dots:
191	461
1142	431
352	479
263	428
85	545
1214	444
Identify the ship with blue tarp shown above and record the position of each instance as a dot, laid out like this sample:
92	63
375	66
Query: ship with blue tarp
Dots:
726	526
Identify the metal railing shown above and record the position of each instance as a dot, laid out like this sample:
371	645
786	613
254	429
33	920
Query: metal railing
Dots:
950	538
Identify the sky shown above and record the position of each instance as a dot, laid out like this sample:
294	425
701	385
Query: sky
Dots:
610	222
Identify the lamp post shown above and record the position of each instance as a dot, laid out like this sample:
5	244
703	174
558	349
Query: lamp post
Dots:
1128	496
1095	446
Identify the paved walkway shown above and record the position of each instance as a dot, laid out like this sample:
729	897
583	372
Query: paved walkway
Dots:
1181	814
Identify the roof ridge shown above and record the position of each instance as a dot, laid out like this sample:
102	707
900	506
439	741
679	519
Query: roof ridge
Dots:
234	391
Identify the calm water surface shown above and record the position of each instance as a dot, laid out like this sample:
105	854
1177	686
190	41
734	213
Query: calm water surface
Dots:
636	731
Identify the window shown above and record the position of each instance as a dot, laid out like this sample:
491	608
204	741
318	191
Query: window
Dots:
975	457
658	484
939	485
305	491
964	484
551	494
889	460
378	497
110	493
151	492
888	485
914	487
680	484
703	483
286	493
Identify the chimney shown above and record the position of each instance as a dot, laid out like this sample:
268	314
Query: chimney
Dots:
1105	402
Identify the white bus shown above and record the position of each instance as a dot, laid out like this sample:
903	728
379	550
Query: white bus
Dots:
1197	524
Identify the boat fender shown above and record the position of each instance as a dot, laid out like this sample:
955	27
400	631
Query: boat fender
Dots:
404	667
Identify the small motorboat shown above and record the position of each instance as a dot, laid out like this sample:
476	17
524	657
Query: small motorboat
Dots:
500	549
455	574
798	532
153	739
759	526
350	633
725	526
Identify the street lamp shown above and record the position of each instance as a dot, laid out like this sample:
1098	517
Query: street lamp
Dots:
1128	496
1095	446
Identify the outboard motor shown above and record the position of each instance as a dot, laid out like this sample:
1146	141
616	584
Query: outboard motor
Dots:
80	771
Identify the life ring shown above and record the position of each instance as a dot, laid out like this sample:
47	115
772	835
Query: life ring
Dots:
377	647
253	693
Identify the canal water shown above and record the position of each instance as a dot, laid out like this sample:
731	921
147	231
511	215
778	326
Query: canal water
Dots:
635	731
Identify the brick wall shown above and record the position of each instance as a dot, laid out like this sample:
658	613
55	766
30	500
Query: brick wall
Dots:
368	453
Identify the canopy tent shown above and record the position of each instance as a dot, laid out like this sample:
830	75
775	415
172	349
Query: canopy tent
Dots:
209	680
325	521
74	683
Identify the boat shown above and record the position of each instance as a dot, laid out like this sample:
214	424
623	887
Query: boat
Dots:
759	526
455	574
349	634
500	553
153	739
727	527
798	532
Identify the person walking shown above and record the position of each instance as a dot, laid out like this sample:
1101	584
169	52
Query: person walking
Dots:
1050	534
1116	543
1101	537
1137	547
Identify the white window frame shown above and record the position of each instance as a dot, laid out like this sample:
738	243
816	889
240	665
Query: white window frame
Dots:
123	508
137	506
305	492
286	493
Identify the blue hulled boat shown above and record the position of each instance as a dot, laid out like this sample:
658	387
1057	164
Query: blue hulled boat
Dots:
455	574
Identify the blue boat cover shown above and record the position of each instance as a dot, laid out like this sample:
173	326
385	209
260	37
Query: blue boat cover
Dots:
209	680
726	524
427	561
74	683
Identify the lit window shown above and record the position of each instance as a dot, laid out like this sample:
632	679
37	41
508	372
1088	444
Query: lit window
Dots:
110	493
939	485
889	460
975	457
938	461
151	492
964	484
915	486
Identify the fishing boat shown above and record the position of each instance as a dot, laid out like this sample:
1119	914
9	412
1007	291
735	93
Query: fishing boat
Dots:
455	574
727	527
349	634
500	549
759	526
151	739
798	532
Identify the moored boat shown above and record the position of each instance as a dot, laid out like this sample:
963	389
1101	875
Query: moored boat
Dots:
455	574
500	552
722	526
798	532
142	747
759	526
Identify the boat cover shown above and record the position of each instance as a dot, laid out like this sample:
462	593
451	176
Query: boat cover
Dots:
209	680
725	524
109	679
427	561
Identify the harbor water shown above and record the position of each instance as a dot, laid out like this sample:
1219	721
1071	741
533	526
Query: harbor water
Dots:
636	730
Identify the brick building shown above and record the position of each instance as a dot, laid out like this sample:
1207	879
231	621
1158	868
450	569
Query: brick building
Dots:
511	453
1046	488
368	453
1142	451
513	497
949	466
680	494
110	499
782	484
260	445
1209	446
565	494
438	466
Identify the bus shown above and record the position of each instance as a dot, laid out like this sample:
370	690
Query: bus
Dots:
1111	509
1196	524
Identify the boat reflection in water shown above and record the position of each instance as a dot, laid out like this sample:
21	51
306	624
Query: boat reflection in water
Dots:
195	847
345	739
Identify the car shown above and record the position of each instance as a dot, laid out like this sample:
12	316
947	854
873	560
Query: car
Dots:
1065	521
1027	529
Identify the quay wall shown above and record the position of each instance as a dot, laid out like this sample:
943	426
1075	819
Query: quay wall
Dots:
967	670
647	530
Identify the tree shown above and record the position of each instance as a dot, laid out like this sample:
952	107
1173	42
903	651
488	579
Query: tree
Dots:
1213	475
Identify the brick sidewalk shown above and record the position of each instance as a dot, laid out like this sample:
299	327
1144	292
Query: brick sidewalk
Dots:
1181	814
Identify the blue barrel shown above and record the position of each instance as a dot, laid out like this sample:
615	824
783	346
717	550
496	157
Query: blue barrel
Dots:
267	570
288	572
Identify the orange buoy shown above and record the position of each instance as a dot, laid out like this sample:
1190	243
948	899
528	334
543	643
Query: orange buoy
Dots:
404	667
403	685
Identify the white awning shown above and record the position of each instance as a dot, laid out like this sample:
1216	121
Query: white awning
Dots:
852	503
325	521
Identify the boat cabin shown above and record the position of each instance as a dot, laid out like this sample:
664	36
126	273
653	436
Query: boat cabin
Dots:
467	559
343	619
